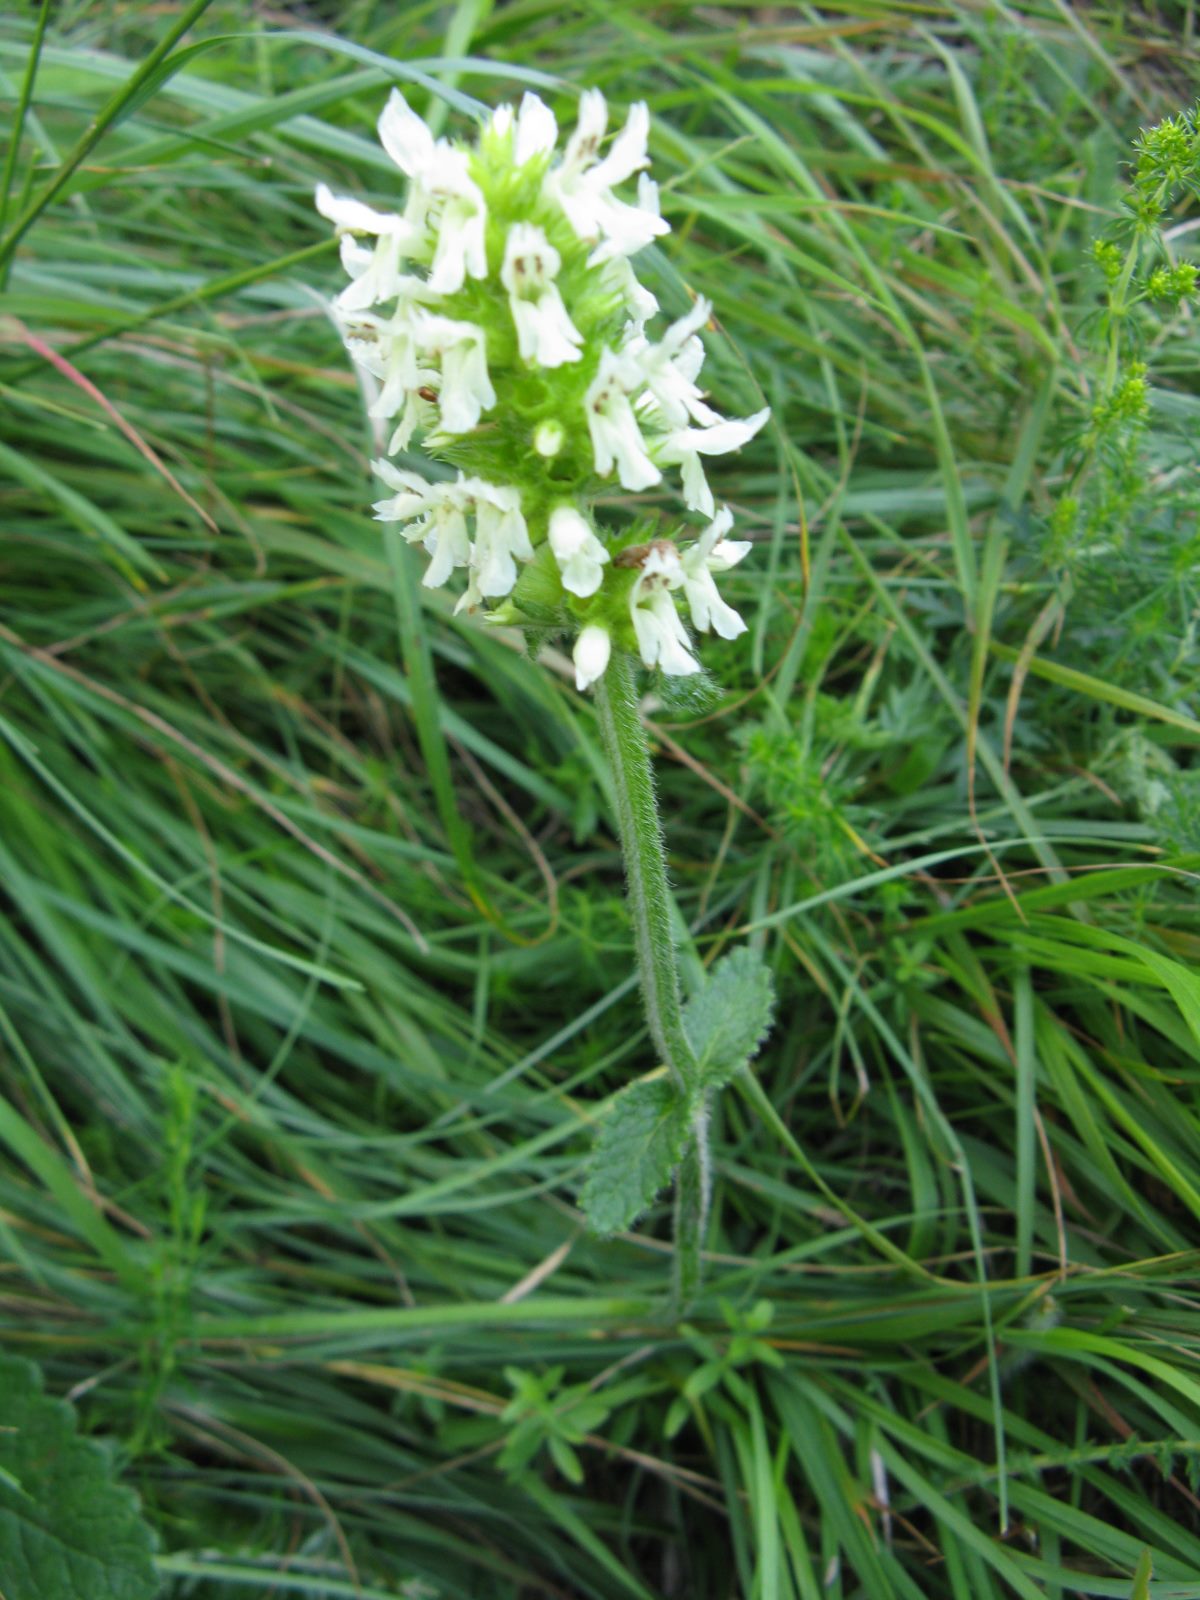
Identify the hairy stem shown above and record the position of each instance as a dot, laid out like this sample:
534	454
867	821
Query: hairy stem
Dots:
645	866
650	911
693	1186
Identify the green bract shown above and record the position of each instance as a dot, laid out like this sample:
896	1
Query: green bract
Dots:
503	327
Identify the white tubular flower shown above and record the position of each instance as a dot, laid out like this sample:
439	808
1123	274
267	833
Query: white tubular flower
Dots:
438	173
589	130
500	535
411	497
581	186
713	552
355	216
461	241
579	553
406	138
670	369
545	333
471	598
685	446
418	414
434	515
375	274
616	438
536	130
592	650
638	298
365	336
387	349
661	636
466	387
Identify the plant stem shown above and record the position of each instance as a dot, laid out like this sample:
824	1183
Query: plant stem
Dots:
693	1186
645	866
650	910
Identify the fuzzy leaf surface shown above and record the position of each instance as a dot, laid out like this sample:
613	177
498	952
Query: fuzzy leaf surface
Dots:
66	1528
640	1145
728	1020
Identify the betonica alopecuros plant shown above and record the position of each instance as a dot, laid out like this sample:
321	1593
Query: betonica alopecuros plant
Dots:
507	337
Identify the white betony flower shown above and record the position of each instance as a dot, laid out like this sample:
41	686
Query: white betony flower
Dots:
536	131
501	537
638	298
386	348
375	274
592	651
461	244
683	447
662	638
545	333
590	123
466	390
713	552
580	555
616	438
439	174
417	414
433	514
471	598
670	368
582	187
355	216
406	138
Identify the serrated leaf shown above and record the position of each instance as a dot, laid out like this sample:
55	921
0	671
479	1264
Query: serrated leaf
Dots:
639	1147
66	1528
728	1020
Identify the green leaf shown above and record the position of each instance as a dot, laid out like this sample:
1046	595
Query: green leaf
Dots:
65	1527
565	1459
640	1145
728	1020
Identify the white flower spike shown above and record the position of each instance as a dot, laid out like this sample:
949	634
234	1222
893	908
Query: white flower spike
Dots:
505	333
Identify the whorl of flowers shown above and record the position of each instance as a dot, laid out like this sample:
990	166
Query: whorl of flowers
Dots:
503	323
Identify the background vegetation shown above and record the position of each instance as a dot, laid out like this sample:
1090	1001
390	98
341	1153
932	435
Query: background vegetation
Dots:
302	1043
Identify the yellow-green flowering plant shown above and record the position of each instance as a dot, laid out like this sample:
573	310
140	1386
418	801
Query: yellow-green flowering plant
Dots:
502	327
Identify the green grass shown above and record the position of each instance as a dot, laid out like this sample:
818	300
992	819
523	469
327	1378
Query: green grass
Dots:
302	1033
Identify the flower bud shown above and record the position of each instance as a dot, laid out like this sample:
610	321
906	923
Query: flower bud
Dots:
592	650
